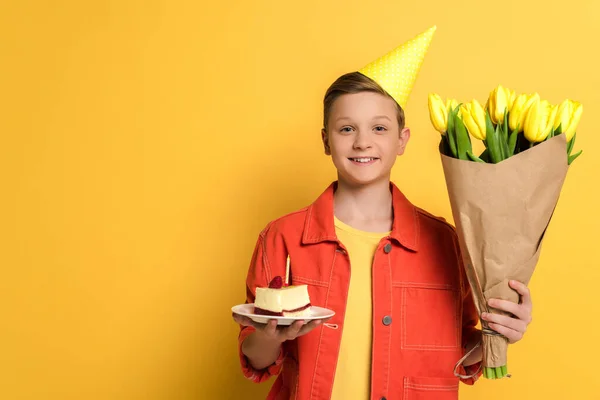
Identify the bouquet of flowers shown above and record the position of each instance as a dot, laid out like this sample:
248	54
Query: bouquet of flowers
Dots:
503	198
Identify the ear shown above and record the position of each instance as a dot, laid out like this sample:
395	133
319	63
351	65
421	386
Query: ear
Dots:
403	140
325	139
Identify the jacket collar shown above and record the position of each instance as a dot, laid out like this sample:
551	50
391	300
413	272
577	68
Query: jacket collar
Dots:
319	225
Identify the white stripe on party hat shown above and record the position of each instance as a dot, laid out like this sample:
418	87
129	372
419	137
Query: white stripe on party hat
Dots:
397	71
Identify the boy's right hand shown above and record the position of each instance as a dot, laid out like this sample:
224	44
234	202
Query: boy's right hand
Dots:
279	334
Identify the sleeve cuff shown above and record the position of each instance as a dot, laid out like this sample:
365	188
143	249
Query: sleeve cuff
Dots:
251	373
470	370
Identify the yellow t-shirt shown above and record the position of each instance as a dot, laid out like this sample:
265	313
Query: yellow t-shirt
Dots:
353	372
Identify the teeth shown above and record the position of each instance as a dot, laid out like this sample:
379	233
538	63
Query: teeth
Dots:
363	160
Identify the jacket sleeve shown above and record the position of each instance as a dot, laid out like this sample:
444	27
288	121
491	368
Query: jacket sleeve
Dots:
259	274
470	319
469	333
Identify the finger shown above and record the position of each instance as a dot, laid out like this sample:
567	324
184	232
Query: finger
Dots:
518	310
523	290
309	327
512	323
237	318
292	331
242	320
270	328
512	335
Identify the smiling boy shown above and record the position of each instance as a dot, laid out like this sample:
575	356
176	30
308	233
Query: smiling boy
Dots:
391	271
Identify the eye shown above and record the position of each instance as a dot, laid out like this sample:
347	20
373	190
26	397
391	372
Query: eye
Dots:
346	129
380	128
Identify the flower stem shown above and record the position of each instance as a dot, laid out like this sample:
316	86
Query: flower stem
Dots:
495	372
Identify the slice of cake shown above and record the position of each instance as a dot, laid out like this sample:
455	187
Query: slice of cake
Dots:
280	300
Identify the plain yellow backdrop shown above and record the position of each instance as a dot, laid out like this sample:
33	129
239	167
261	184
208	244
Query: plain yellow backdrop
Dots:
146	143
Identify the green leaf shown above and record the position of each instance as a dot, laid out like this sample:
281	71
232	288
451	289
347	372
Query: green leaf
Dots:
489	126
574	156
505	127
570	144
452	135
503	138
462	139
473	157
512	142
492	139
558	130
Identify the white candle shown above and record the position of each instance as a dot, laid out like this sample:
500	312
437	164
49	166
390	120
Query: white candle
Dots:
287	271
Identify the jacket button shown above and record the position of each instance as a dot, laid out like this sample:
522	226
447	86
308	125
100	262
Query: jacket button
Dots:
387	248
387	320
383	398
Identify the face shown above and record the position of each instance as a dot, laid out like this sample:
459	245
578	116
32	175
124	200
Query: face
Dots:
364	138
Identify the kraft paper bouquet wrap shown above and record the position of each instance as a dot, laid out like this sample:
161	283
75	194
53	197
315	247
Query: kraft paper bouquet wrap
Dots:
503	199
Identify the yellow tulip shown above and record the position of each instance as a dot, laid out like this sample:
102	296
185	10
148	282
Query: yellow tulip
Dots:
473	116
518	111
438	113
451	104
575	118
497	104
539	121
510	98
567	117
563	116
552	116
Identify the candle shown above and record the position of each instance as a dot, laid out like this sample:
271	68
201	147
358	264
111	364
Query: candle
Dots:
287	271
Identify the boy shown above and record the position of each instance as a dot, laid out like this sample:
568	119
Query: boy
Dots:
390	271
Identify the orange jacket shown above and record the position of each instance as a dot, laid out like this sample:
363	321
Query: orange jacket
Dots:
423	312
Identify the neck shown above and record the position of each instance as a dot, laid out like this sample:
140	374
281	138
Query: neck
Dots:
368	207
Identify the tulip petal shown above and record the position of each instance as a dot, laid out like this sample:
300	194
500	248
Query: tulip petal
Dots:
575	118
437	113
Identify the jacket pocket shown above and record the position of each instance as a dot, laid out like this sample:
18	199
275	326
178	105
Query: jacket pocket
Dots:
422	388
430	317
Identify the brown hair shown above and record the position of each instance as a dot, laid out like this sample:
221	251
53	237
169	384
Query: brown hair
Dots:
354	82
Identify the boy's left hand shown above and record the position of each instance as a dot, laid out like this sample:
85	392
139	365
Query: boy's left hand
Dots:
512	328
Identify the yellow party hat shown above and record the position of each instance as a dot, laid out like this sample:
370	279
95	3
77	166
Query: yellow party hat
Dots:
397	71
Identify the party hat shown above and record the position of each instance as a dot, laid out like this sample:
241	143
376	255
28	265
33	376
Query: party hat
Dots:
397	71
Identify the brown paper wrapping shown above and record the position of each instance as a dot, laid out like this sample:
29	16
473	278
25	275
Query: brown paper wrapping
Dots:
501	212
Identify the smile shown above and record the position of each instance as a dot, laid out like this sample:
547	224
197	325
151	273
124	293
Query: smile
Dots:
363	160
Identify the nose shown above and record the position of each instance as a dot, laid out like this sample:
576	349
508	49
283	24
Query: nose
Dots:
362	140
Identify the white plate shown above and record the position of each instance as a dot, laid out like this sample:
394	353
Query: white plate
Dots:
247	310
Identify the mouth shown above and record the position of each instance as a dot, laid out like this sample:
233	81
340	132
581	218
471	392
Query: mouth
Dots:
363	160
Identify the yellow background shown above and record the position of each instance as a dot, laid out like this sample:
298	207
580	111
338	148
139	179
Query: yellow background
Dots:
146	143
